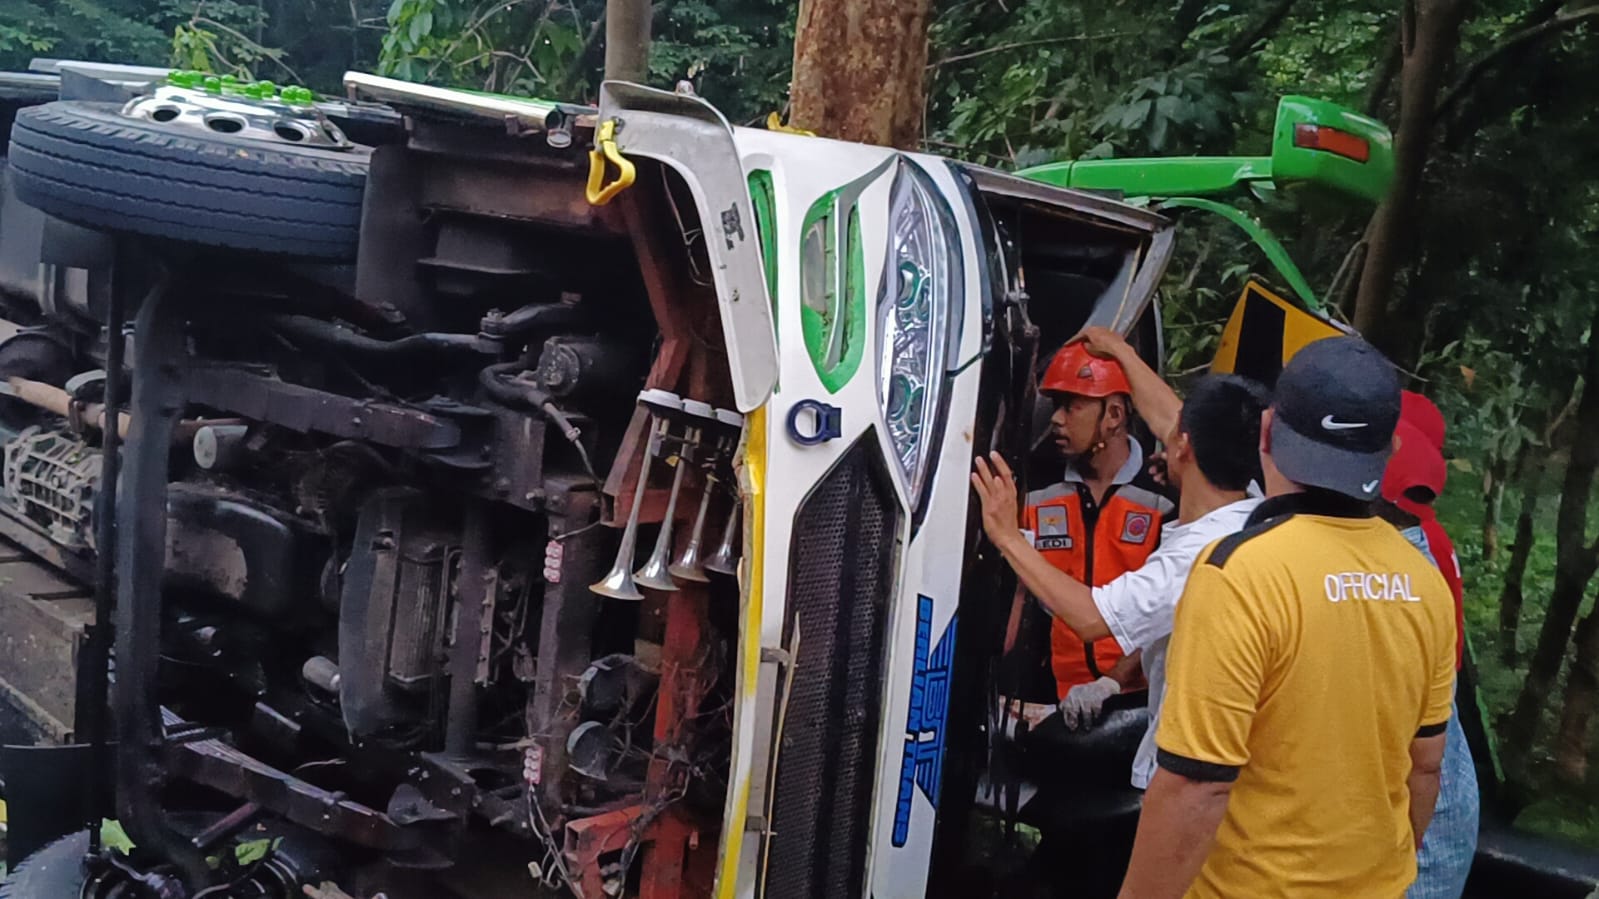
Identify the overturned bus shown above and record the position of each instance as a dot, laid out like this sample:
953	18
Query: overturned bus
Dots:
433	494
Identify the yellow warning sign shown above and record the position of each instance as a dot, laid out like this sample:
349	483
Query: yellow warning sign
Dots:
1264	332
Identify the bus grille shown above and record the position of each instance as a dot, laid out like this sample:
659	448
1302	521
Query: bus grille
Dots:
841	577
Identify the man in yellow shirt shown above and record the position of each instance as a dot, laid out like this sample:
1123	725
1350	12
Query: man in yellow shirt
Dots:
1311	669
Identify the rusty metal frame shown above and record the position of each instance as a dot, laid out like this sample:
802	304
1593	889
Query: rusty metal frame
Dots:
666	840
685	313
304	409
217	765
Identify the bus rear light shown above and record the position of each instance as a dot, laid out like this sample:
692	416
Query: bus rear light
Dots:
1339	143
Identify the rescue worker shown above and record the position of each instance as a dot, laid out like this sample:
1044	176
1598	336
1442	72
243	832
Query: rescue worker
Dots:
1210	444
1101	520
1415	477
1310	678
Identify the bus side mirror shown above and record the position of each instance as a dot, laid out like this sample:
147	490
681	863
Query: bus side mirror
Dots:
1325	144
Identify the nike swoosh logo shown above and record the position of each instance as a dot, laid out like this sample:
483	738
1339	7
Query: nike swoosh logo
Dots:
1332	424
1370	486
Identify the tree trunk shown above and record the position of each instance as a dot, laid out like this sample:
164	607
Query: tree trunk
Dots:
1183	22
1510	598
1575	561
1493	505
1582	695
1573	570
627	40
1430	33
858	70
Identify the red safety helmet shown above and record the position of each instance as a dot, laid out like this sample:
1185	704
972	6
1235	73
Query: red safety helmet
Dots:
1075	370
1423	414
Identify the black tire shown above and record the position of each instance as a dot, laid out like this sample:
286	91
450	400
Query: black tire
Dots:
88	164
54	872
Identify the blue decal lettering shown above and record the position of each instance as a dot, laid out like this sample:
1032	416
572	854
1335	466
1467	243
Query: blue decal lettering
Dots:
922	762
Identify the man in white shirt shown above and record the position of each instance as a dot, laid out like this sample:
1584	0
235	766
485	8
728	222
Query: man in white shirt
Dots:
1212	457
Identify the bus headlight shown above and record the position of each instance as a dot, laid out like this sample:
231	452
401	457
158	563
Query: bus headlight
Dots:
918	318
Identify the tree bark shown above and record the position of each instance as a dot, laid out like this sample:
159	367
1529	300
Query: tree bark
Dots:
1582	696
1430	33
627	40
1511	597
859	67
1575	561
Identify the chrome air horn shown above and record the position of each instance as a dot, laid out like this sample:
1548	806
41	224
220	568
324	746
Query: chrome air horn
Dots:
688	565
619	583
724	560
653	573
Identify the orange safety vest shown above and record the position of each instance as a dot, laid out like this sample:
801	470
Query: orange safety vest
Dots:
1094	543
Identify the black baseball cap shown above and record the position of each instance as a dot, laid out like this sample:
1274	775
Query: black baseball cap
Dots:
1334	410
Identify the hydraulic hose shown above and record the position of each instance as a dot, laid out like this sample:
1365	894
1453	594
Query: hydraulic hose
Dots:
327	334
530	318
522	395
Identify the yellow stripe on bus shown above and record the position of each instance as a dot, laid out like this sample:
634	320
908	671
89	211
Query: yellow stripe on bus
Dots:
750	621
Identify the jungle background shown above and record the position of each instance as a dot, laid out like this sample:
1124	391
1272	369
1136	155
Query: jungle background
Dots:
1476	274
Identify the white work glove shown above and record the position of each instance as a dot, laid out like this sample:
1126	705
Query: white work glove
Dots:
1083	702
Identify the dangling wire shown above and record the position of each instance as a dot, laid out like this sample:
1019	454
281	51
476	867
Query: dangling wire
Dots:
690	237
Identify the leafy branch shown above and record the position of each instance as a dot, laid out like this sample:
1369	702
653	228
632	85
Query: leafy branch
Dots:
1262	29
1018	45
1479	66
199	45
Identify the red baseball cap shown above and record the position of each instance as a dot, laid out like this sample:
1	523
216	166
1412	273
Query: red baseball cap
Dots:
1416	462
1423	414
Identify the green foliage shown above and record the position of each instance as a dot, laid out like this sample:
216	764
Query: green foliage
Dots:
515	47
737	54
112	836
1330	51
1188	107
291	40
119	30
216	39
1210	265
1061	79
1556	810
248	852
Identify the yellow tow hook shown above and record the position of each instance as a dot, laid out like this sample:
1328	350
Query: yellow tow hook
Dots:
599	193
774	122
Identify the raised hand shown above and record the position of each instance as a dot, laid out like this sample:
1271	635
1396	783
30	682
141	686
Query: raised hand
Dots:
996	491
